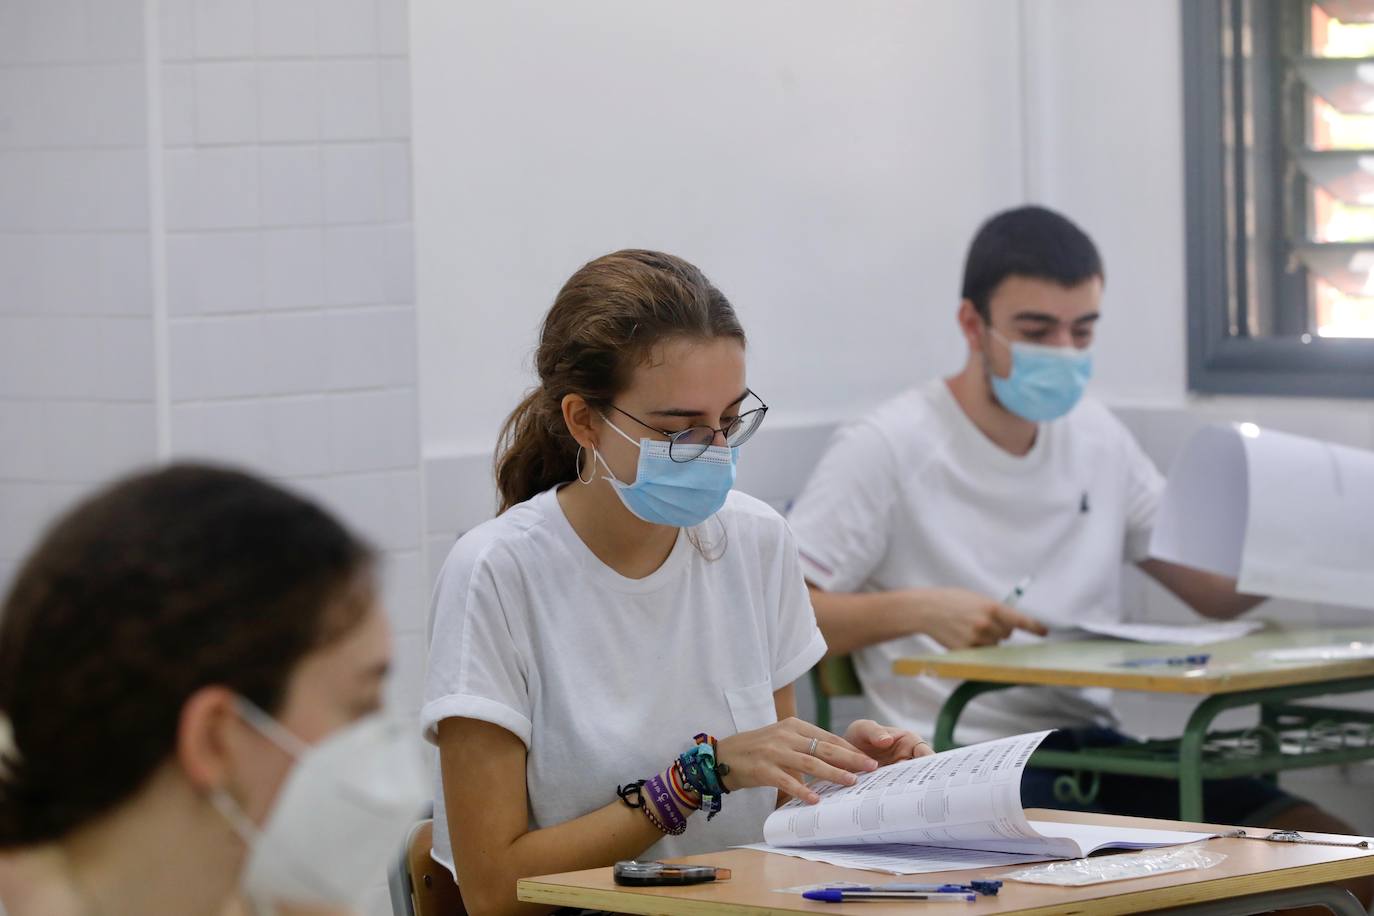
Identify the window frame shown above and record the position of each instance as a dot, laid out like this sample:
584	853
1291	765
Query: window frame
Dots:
1222	184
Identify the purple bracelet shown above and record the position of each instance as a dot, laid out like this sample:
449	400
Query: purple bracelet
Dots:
656	793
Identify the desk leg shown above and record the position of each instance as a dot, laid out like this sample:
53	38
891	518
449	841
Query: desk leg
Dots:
1200	722
953	708
1337	900
1190	754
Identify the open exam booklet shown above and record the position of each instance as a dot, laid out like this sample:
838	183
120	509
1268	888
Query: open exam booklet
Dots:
958	809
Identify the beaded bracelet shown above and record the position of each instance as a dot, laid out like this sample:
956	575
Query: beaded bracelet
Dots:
689	798
663	799
670	819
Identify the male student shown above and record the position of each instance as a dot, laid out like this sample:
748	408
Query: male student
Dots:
927	511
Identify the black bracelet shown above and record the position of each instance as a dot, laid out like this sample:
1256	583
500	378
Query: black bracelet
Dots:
633	789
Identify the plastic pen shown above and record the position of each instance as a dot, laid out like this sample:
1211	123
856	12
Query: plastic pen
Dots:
1017	591
846	895
1174	661
986	886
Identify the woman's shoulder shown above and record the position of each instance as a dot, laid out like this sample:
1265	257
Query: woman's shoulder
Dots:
499	543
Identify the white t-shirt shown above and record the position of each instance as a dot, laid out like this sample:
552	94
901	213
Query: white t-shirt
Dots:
606	679
914	495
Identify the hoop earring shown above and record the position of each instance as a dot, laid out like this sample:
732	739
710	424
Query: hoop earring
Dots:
578	467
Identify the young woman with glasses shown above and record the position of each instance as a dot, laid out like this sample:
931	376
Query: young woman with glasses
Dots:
617	649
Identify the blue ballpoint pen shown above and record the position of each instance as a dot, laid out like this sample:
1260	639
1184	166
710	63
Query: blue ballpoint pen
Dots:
845	895
985	887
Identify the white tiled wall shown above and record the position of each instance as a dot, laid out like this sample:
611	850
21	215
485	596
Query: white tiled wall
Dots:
282	165
75	277
290	279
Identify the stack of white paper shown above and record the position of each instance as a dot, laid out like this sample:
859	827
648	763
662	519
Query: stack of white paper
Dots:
958	809
1189	634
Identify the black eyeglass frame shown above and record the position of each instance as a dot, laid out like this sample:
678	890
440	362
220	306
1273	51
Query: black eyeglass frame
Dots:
678	442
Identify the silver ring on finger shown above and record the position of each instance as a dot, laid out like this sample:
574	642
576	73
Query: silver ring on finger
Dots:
812	749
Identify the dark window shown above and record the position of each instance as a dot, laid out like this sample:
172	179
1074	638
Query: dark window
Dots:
1279	138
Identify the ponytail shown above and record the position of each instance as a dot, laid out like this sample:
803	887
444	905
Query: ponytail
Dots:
604	322
535	451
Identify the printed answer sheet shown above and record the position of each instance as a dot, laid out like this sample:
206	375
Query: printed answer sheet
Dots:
924	814
967	795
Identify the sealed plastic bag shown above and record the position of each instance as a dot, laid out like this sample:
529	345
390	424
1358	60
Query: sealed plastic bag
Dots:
1119	867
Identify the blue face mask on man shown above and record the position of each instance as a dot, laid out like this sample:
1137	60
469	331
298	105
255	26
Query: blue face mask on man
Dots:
679	494
1045	382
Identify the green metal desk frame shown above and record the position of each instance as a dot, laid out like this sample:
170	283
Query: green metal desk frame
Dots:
1189	759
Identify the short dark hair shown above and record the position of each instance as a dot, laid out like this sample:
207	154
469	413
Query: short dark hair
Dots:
140	595
1033	242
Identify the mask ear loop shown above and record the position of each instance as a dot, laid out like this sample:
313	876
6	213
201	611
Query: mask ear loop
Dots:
578	466
228	807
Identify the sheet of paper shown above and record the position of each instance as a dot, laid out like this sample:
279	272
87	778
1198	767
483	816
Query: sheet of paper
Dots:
903	859
1287	516
1091	837
1336	652
897	859
968	794
1202	514
1194	634
1073	841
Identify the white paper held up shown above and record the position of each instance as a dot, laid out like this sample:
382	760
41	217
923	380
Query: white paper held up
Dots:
1287	516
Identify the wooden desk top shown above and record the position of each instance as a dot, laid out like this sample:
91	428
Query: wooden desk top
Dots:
1250	867
1233	666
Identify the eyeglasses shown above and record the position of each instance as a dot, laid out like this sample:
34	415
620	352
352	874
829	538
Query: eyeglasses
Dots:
692	443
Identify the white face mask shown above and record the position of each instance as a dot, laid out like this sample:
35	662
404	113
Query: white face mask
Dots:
340	816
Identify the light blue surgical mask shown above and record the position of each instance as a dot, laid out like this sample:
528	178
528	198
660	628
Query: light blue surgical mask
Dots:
1045	382
679	494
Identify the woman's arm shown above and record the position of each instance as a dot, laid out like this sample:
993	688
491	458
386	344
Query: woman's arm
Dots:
483	768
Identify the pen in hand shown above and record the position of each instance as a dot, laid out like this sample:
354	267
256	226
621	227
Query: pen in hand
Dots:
1017	591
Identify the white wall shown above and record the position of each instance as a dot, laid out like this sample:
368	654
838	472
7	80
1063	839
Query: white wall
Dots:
289	266
205	251
1104	115
75	283
824	163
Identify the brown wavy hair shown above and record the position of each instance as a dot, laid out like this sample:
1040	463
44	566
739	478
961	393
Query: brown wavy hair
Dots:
140	595
605	321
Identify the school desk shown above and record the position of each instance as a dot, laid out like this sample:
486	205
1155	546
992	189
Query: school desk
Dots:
1255	877
1290	734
